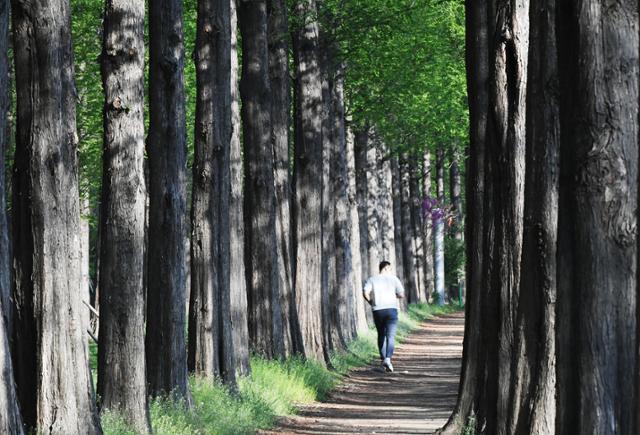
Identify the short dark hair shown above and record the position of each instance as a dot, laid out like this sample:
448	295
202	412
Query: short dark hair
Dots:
383	264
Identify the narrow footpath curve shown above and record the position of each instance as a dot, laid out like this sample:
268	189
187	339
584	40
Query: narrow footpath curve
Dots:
416	399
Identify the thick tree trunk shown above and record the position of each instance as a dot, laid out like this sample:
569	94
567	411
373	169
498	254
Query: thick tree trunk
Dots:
360	150
166	149
354	223
121	355
308	180
532	401
385	205
408	246
50	354
597	293
477	64
427	228
278	28
10	418
268	320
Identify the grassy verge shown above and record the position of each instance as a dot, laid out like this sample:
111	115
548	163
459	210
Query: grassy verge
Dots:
273	389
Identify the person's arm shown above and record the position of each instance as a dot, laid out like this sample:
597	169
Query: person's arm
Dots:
399	289
366	291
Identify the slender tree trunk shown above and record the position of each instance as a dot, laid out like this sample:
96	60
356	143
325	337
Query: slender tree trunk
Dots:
354	223
416	233
50	354
308	180
456	199
372	211
408	247
397	218
477	64
10	418
121	354
166	149
438	225
278	28
385	205
360	150
268	321
427	229
599	155
533	404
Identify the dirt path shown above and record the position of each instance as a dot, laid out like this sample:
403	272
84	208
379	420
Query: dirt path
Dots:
417	398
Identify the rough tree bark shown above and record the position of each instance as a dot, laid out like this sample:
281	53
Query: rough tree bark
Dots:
372	211
50	352
596	332
532	395
166	150
417	224
121	353
308	179
269	330
360	150
456	199
477	64
397	218
278	28
385	205
10	418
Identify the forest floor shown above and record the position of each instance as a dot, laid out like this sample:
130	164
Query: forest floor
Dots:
417	397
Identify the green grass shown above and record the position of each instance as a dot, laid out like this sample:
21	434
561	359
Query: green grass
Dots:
273	389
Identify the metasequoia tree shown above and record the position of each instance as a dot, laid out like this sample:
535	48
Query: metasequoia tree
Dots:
397	218
166	258
218	335
427	228
10	419
269	326
308	178
385	204
360	166
122	382
416	228
408	242
50	352
438	229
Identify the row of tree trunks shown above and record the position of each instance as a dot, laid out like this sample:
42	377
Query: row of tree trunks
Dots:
10	418
563	260
51	368
167	158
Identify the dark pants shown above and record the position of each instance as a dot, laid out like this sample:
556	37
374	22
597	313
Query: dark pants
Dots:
386	323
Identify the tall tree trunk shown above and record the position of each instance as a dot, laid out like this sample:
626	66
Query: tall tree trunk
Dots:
50	353
166	148
477	64
218	335
121	353
532	401
397	219
457	228
354	224
10	418
438	225
597	293
416	233
427	228
360	154
268	320
308	179
408	246
373	228
278	28
385	205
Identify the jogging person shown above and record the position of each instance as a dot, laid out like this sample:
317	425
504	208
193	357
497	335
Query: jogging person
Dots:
382	292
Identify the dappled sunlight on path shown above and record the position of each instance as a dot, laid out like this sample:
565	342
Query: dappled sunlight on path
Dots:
417	398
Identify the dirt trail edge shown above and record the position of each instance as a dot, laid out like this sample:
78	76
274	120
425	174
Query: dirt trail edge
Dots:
417	398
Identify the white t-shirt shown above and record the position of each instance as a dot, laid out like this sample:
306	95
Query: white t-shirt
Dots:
384	291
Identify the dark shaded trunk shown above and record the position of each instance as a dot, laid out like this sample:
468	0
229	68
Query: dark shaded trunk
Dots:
308	180
477	64
218	334
532	401
278	28
408	246
457	229
166	257
122	383
360	154
49	344
397	218
10	418
427	228
596	331
269	330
